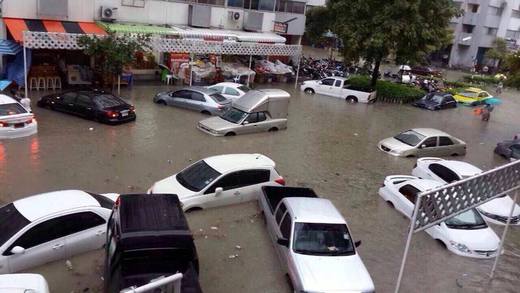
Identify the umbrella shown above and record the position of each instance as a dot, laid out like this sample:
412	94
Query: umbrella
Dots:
492	101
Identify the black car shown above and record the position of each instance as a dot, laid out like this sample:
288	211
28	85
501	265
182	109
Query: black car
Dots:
91	104
509	149
148	238
436	101
426	71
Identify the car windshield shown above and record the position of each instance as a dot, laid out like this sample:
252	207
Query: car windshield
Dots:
322	239
11	221
105	101
469	94
197	176
410	137
11	109
234	115
468	220
218	97
436	98
243	88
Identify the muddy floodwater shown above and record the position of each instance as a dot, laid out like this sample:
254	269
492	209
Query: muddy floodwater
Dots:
329	146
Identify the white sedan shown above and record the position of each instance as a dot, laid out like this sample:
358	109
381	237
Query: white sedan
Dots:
466	234
51	226
230	90
25	283
15	120
495	211
221	180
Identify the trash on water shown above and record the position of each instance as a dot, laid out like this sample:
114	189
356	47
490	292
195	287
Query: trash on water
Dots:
91	128
214	228
68	264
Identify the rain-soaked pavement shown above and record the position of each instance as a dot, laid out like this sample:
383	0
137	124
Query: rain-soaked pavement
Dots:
329	146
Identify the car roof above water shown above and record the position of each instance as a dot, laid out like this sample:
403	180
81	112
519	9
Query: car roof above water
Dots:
5	99
430	132
313	210
255	98
226	163
200	89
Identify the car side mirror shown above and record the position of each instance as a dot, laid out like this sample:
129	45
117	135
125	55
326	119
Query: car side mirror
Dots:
17	250
218	190
357	243
245	122
423	146
319	82
283	241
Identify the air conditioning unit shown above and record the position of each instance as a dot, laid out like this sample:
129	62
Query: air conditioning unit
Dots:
199	16
108	13
234	16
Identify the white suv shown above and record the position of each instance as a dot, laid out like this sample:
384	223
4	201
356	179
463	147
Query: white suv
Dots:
220	180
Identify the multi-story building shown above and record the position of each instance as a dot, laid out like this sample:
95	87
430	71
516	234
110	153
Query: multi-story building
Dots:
481	23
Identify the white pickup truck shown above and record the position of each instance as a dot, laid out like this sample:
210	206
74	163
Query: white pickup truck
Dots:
338	87
313	242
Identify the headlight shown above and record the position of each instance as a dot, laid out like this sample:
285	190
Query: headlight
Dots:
460	247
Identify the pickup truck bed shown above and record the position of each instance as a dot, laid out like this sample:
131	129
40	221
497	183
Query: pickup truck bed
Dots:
275	194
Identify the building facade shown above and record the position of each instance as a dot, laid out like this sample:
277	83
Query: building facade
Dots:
476	30
285	17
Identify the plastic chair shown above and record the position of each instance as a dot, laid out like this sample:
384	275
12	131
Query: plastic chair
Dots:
57	82
169	78
41	84
50	83
33	83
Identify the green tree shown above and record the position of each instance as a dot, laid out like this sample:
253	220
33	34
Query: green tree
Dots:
316	24
113	52
373	29
498	52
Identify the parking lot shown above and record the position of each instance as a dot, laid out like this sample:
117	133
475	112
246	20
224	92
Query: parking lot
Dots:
329	146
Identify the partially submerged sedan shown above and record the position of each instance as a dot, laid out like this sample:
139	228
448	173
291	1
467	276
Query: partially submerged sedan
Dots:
509	149
200	99
256	111
421	142
436	101
472	96
15	120
466	234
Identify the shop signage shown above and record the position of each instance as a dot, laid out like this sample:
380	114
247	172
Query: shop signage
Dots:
280	27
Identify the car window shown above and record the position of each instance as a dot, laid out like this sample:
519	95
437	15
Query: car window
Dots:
184	94
198	97
327	81
11	109
410	192
515	148
84	101
252	177
444	173
322	239
69	98
430	142
252	118
229	181
280	212
197	176
41	233
11	221
244	88
482	95
444	140
410	137
285	226
231	91
449	99
337	83
261	116
82	221
217	88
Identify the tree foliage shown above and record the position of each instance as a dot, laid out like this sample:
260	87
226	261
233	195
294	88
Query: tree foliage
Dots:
373	29
113	52
316	24
499	50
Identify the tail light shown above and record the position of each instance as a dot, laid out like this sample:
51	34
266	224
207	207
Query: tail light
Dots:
30	121
112	114
280	181
3	124
132	109
220	106
117	202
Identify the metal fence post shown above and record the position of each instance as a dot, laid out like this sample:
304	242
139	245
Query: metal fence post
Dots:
408	241
504	235
25	68
297	72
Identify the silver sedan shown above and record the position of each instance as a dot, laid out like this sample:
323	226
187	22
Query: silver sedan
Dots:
199	99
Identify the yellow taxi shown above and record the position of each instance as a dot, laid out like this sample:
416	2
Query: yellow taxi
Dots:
472	96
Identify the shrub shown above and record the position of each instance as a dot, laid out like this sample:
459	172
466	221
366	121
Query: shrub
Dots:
480	79
513	81
388	91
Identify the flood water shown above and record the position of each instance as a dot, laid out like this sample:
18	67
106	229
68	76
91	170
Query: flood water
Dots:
329	146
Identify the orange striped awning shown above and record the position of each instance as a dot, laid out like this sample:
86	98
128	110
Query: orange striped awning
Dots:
17	26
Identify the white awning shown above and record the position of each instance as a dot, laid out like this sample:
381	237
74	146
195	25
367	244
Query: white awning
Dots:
241	36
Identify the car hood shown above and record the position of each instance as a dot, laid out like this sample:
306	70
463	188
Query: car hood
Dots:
500	206
478	239
394	144
333	273
217	123
171	185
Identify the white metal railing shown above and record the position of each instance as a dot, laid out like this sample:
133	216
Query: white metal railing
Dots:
170	284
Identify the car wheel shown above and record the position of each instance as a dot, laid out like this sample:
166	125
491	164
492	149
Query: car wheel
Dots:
309	91
161	102
351	100
454	155
205	112
289	282
390	204
273	129
193	209
441	243
230	134
410	156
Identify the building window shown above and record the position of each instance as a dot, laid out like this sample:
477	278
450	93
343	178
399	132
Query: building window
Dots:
515	13
235	3
473	8
133	3
492	31
211	2
513	34
466	28
290	6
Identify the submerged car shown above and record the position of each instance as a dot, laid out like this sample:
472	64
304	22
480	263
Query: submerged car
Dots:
339	87
446	171
256	111
426	71
466	234
421	142
200	99
230	90
436	101
15	120
220	180
93	104
509	149
472	96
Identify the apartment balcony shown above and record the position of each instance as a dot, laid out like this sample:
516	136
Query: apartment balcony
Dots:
465	39
487	41
470	18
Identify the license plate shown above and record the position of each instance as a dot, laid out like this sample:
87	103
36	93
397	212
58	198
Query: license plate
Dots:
124	113
19	125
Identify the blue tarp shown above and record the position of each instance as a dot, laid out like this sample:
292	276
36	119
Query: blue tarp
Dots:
15	70
4	84
8	47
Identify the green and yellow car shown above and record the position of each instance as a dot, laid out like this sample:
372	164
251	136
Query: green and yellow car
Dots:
472	96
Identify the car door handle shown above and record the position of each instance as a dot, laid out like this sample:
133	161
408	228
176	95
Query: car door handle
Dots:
236	193
57	246
98	233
